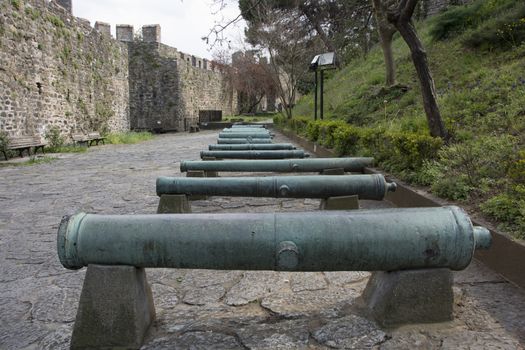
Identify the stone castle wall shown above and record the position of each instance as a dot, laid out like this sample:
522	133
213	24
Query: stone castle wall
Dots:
55	70
168	87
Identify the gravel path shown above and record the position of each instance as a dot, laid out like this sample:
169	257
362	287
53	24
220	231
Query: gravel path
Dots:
203	309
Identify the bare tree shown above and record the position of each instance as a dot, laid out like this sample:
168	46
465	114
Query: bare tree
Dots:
252	80
399	14
290	45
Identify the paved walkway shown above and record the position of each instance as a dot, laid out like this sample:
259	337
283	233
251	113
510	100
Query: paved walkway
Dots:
202	309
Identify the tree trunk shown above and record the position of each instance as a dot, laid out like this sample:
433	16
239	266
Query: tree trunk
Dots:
386	33
388	54
428	89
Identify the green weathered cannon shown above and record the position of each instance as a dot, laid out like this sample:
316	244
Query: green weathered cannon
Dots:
271	154
252	140
280	166
248	130
241	135
364	186
365	240
251	146
240	126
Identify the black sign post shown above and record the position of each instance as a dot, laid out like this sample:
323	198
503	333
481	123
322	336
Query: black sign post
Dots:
321	63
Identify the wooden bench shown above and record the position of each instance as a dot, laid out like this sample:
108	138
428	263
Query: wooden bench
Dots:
80	139
89	139
95	137
22	143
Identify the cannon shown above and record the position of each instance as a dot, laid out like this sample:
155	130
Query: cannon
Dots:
250	130
372	187
241	135
365	240
240	126
249	146
252	140
279	166
271	154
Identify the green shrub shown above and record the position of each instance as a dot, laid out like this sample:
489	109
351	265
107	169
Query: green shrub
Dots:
508	208
473	166
16	4
54	138
458	19
56	21
503	32
402	151
4	142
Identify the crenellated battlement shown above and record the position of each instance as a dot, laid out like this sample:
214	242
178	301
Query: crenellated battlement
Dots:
105	82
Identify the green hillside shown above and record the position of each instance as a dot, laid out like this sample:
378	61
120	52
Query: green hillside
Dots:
477	57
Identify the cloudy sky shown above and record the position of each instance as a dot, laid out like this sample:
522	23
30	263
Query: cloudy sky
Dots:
183	22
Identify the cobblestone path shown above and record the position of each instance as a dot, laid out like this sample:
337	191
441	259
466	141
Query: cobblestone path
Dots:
203	309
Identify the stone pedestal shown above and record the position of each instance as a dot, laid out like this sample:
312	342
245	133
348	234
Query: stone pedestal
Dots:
340	203
410	296
115	308
173	204
334	171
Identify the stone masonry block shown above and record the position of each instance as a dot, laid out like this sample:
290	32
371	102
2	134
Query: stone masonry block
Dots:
103	28
340	203
115	308
410	296
174	204
151	33
124	32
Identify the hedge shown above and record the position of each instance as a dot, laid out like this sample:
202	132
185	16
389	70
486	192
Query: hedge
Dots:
393	150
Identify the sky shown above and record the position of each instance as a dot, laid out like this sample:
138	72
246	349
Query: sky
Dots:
183	22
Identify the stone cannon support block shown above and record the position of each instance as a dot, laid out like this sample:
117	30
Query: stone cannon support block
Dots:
335	171
340	203
115	308
410	296
174	204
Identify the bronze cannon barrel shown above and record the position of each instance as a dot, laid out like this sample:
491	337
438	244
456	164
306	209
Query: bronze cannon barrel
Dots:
240	135
310	186
243	140
280	165
360	240
252	146
246	130
240	126
260	154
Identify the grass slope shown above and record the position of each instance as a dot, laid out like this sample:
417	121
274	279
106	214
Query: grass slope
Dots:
478	64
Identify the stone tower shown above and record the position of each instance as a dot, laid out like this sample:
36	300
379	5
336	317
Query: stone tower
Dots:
124	32
151	33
